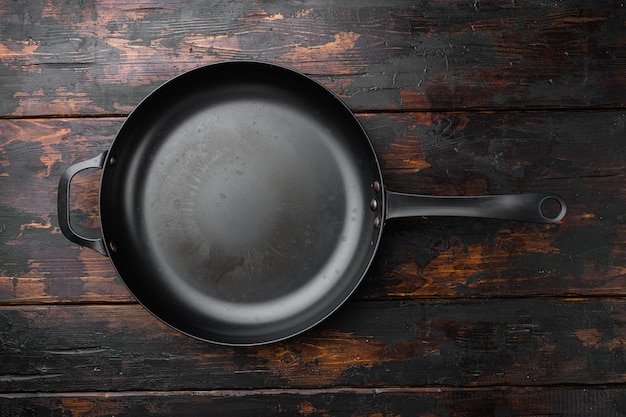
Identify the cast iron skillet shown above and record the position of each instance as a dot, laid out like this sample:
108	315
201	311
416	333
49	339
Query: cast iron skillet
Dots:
242	203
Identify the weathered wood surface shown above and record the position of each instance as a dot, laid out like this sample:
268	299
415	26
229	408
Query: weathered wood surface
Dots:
449	343
580	155
472	402
94	57
454	318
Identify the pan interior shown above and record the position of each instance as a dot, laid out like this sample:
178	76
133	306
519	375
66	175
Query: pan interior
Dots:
251	204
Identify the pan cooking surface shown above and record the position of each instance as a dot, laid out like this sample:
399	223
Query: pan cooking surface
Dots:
249	203
248	212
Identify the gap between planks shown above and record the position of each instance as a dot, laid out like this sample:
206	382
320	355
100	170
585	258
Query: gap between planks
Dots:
469	110
432	389
403	301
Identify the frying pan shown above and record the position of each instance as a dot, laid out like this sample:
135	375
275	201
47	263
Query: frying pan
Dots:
242	203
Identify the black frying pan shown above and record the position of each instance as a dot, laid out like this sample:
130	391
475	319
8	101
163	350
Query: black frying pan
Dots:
242	203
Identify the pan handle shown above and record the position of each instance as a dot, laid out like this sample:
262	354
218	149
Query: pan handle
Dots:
532	207
63	203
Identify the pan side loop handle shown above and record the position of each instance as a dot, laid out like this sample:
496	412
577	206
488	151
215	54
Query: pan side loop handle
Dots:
63	203
531	207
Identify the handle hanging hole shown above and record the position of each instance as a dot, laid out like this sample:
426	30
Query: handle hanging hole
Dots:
113	160
552	208
113	246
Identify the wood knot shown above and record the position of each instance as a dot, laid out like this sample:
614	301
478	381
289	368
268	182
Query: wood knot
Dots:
289	359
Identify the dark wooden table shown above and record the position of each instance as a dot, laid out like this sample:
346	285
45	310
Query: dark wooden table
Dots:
456	317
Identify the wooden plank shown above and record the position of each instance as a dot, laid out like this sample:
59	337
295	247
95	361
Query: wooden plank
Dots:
576	154
580	155
472	402
60	58
37	263
450	343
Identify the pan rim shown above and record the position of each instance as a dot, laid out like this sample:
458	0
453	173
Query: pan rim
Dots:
136	113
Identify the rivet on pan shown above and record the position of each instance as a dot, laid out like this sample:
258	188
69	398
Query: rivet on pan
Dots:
376	222
113	246
373	204
377	186
113	160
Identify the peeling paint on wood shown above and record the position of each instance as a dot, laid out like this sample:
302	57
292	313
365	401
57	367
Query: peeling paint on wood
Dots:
455	317
104	57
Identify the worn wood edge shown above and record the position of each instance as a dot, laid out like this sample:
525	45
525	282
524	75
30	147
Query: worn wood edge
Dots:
428	390
607	401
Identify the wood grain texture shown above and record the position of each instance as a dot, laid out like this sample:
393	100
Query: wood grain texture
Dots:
580	155
97	57
37	263
398	402
453	343
454	318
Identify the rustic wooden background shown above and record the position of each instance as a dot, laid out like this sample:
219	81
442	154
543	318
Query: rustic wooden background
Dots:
455	318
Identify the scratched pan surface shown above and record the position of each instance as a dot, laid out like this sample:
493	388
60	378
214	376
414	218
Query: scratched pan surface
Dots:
242	203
